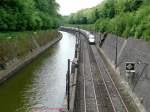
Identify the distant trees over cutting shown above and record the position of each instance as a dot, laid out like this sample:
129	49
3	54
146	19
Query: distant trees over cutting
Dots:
17	15
122	17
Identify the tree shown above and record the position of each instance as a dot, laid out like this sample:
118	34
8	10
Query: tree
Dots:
17	15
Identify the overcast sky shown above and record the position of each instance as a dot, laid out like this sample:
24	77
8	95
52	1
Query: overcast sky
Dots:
70	6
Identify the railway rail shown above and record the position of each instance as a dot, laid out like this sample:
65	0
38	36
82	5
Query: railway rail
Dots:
114	95
96	90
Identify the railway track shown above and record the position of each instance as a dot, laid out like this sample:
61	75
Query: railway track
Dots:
89	82
112	92
96	91
85	85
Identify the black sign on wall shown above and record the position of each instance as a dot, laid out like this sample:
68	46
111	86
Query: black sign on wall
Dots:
130	67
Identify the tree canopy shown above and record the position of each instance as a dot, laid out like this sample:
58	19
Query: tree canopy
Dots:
122	17
17	15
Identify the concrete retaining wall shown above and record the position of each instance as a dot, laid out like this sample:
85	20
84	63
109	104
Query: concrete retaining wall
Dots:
109	46
132	50
19	64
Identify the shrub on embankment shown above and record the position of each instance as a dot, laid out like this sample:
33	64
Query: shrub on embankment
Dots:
15	45
126	18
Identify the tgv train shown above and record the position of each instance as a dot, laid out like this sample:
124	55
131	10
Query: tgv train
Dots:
90	36
91	39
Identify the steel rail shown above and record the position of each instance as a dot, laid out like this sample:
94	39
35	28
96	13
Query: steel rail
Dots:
109	96
84	78
121	99
93	84
106	86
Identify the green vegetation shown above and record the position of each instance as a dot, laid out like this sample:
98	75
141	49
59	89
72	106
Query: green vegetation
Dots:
19	44
127	18
20	15
26	25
